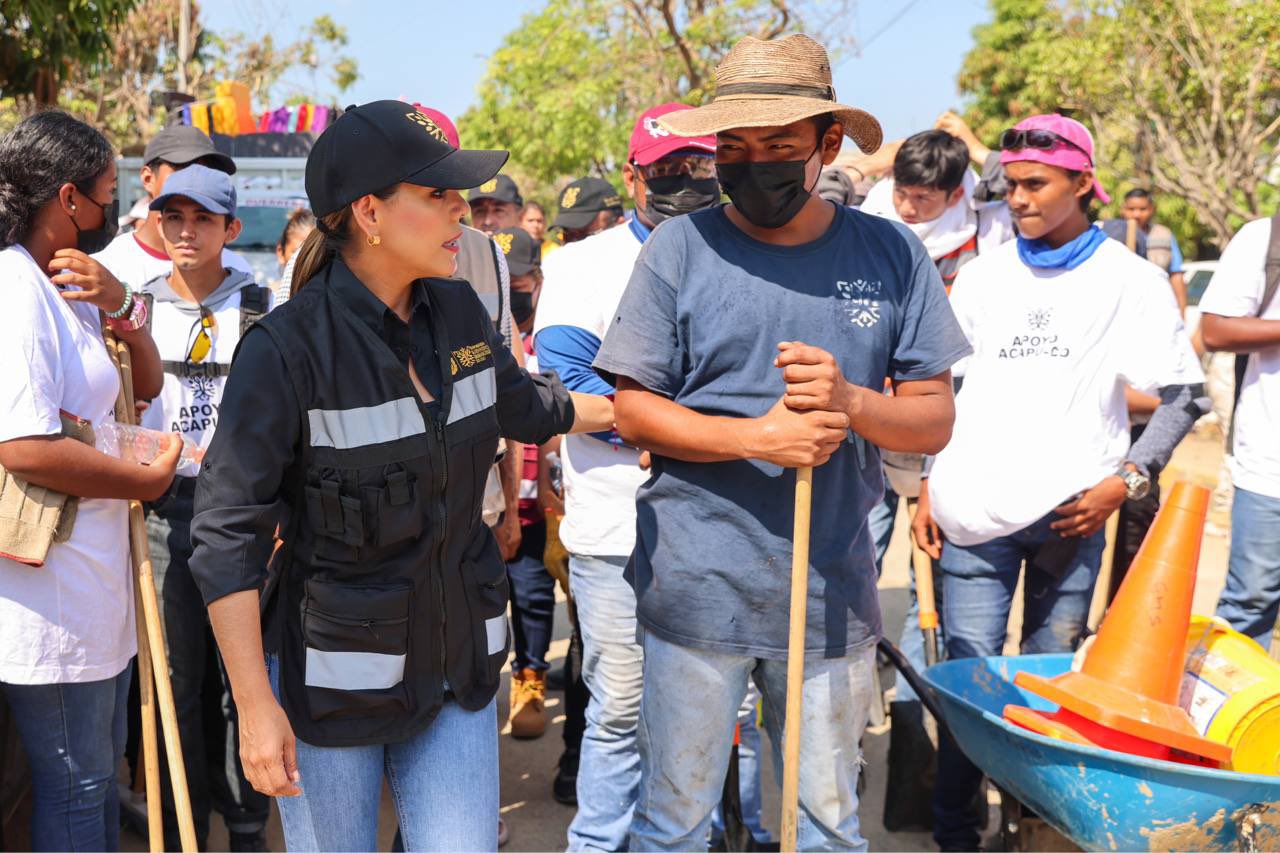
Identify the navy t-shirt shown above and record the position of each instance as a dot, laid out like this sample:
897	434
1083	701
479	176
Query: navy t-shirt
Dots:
700	322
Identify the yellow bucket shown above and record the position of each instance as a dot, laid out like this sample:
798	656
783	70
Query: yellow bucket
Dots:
1231	690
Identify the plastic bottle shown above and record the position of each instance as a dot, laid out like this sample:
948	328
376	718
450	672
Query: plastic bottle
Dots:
137	444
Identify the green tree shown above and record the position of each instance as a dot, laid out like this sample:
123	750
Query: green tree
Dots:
43	42
119	94
1183	96
564	88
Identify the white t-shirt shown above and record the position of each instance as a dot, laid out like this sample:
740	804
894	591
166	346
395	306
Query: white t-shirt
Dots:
131	262
582	286
70	620
1041	415
189	405
1236	291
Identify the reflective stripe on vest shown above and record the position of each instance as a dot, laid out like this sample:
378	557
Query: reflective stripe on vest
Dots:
344	429
473	394
353	670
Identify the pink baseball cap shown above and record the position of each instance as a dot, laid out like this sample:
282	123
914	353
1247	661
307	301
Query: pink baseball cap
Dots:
1073	149
650	141
448	132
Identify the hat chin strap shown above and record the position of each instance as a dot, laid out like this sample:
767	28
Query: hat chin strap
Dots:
822	93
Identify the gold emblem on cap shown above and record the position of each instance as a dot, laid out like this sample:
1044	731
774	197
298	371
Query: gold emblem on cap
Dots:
570	197
504	242
426	124
453	366
488	186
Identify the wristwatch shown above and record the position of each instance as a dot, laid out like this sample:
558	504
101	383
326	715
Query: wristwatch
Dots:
1136	484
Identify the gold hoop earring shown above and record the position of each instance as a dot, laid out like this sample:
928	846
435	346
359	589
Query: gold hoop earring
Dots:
375	240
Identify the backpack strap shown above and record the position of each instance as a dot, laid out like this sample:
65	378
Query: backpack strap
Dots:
185	369
1271	281
253	306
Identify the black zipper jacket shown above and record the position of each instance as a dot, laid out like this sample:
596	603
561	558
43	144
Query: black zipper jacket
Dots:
388	590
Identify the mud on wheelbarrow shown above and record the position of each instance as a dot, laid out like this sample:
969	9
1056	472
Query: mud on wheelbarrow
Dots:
1100	799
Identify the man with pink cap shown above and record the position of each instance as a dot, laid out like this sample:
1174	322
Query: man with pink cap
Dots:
1061	321
666	175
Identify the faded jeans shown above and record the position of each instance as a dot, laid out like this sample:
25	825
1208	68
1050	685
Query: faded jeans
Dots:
73	735
612	667
687	716
1251	598
443	780
978	583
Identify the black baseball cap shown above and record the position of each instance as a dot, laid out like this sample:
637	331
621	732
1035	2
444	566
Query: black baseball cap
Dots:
583	199
377	145
499	188
522	252
182	144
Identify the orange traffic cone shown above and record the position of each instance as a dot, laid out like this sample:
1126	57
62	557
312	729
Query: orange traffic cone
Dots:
1126	695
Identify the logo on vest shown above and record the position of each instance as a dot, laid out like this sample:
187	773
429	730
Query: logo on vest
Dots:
863	307
470	355
1038	318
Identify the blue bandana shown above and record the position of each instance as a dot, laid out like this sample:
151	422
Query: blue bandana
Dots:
639	229
1037	253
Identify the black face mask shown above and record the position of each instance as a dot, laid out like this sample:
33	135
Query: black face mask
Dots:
94	240
521	306
676	195
769	195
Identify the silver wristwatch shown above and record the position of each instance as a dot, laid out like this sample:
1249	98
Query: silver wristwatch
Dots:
1136	484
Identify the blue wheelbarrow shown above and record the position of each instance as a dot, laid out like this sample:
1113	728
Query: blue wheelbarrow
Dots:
1100	799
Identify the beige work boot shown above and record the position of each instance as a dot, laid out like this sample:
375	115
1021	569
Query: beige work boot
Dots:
528	704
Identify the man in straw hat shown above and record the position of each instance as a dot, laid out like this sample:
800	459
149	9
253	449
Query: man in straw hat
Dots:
703	383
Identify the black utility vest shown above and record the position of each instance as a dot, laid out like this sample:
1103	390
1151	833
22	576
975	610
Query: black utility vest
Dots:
388	590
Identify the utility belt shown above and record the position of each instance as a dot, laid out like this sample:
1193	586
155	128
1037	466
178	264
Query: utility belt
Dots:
34	518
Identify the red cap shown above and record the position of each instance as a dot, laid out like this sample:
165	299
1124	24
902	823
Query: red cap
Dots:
651	142
442	123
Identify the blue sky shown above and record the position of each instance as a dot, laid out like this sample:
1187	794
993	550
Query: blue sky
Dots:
434	51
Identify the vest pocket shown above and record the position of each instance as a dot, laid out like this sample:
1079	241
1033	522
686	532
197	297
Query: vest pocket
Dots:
357	643
485	580
397	515
336	518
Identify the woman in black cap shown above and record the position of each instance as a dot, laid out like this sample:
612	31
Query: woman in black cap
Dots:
358	424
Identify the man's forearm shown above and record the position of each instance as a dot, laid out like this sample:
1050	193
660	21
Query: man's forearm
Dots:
910	421
1178	282
509	474
1238	334
1180	407
654	423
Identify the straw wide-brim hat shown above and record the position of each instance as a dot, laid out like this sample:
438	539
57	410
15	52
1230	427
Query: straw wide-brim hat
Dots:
773	83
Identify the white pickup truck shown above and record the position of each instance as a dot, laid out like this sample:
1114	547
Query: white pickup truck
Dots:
268	190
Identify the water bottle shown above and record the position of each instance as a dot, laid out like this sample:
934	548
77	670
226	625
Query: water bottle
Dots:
136	444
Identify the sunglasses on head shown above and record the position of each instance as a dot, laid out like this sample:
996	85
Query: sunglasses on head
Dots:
204	331
1041	140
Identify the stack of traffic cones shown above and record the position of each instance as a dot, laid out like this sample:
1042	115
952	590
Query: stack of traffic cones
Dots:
1126	695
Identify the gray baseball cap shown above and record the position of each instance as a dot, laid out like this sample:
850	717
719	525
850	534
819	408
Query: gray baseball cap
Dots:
181	144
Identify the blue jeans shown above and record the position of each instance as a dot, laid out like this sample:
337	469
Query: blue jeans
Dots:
748	772
687	715
978	583
533	601
74	737
444	781
207	722
1251	598
612	667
